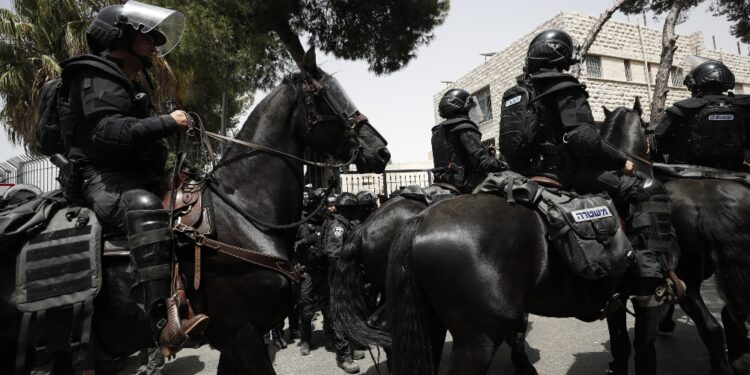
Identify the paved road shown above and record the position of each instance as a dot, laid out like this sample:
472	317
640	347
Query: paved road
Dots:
556	346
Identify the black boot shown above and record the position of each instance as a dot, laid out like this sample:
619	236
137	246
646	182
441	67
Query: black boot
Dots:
150	240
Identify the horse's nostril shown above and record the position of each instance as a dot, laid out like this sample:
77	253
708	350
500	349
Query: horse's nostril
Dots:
384	154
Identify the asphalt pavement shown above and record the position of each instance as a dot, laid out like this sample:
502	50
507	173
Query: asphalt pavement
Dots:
555	347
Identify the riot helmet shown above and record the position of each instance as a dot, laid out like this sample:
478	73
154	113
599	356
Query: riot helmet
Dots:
710	76
347	205
455	102
116	26
552	49
366	198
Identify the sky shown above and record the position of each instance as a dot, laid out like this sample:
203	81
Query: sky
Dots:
400	105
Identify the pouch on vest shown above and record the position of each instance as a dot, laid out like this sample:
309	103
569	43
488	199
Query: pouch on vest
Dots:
518	126
718	135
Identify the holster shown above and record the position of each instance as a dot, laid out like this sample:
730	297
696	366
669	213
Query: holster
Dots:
70	176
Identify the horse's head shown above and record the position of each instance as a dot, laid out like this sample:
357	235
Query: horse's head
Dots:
624	128
334	124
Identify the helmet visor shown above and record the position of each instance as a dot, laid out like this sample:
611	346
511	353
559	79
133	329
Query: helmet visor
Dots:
146	18
475	112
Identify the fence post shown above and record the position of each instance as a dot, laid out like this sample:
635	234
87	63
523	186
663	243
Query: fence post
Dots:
385	184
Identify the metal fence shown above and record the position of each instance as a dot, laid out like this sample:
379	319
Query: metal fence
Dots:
37	171
387	182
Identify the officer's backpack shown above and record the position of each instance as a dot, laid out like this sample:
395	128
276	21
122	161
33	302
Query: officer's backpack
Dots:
48	133
519	125
718	133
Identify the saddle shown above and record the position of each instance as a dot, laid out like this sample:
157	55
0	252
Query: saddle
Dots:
699	172
429	195
584	229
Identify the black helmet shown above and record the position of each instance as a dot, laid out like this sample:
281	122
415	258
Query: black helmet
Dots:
346	200
711	76
454	103
365	198
553	49
331	200
115	27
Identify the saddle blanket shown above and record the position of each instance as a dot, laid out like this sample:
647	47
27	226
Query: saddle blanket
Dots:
428	195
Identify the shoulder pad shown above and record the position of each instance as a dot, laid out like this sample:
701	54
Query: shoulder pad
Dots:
691	103
70	66
460	124
675	110
553	76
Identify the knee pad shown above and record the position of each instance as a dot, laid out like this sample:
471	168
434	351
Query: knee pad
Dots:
140	200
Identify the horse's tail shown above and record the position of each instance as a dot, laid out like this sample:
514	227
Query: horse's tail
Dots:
348	307
411	318
728	236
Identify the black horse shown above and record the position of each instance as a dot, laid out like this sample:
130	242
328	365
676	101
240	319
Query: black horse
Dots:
475	265
711	219
309	109
367	248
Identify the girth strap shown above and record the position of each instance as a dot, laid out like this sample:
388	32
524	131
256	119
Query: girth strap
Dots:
272	262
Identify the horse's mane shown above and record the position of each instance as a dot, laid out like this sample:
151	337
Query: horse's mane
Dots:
615	131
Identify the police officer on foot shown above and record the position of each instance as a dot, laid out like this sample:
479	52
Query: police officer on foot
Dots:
335	230
710	128
459	158
109	132
570	147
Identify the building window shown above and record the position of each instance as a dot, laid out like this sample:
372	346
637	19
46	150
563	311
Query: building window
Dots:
594	66
628	71
677	76
485	103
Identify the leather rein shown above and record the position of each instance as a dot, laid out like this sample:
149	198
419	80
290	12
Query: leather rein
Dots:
272	262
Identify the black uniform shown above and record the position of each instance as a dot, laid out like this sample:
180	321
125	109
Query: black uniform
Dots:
121	153
459	158
570	147
335	230
314	278
708	129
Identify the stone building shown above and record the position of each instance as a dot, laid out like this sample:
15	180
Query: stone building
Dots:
614	71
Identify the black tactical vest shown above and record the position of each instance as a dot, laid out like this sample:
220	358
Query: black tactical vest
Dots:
446	148
713	132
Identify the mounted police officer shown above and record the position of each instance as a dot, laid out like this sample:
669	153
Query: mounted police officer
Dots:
557	136
459	158
710	128
119	152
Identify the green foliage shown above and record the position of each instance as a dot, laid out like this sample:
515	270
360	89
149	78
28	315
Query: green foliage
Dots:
656	6
737	11
229	46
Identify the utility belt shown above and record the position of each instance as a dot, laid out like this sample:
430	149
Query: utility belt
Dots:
70	176
452	174
551	158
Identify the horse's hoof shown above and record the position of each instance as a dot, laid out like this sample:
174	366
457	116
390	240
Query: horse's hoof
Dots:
667	326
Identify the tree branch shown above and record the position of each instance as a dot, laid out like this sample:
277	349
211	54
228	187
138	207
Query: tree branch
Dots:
597	27
291	41
669	46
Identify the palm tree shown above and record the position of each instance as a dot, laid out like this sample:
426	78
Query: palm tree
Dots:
33	40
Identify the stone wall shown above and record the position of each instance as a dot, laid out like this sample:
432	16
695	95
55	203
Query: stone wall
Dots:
617	41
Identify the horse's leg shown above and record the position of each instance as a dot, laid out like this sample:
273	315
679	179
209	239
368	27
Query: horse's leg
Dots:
709	329
735	331
472	357
619	342
517	342
667	324
646	328
247	354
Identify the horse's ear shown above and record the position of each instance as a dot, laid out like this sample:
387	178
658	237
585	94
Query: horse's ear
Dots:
309	64
637	106
606	111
